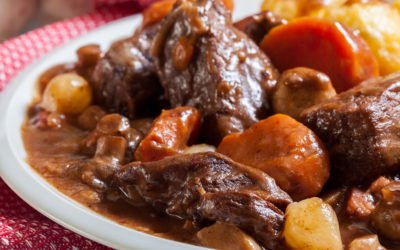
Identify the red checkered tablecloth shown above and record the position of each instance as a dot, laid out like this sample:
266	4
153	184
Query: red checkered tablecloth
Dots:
21	227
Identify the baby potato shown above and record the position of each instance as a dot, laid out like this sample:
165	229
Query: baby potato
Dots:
378	24
290	9
287	9
215	236
312	224
67	94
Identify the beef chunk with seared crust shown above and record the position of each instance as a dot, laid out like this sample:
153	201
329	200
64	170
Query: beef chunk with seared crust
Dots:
205	62
124	80
361	128
207	187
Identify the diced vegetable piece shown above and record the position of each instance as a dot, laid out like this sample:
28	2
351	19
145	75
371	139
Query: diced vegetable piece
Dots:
158	10
378	24
301	88
170	134
225	236
67	94
312	224
286	150
386	217
322	45
291	9
368	242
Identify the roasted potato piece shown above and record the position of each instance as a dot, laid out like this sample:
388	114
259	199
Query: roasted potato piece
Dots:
368	242
170	134
67	94
216	236
291	9
301	88
311	225
286	150
378	24
287	9
396	4
322	45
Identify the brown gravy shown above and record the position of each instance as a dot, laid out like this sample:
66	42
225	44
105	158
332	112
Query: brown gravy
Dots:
52	151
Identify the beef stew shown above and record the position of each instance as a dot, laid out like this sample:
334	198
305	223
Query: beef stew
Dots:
178	131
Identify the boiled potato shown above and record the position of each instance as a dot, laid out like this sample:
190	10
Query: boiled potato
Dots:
290	9
67	94
217	235
379	25
287	9
396	4
312	224
369	242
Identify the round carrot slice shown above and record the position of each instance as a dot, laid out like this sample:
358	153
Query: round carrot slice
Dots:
323	45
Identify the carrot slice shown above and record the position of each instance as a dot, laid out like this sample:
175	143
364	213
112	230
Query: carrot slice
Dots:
286	150
169	134
322	45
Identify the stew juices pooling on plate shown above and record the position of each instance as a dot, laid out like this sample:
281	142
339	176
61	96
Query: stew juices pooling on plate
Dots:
279	131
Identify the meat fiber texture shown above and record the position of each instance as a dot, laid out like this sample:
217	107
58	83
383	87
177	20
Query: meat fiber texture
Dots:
205	62
206	187
124	80
361	129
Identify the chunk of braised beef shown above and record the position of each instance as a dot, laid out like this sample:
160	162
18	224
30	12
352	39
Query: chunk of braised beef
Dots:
207	187
205	62
258	25
124	80
361	129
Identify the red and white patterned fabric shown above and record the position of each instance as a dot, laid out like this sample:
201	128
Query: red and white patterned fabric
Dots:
21	227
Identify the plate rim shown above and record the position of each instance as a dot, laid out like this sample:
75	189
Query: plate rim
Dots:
39	183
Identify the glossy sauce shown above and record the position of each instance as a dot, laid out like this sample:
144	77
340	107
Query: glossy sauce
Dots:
53	152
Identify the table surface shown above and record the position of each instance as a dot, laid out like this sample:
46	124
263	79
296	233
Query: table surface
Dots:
21	227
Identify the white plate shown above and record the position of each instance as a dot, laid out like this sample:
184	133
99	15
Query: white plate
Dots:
31	187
